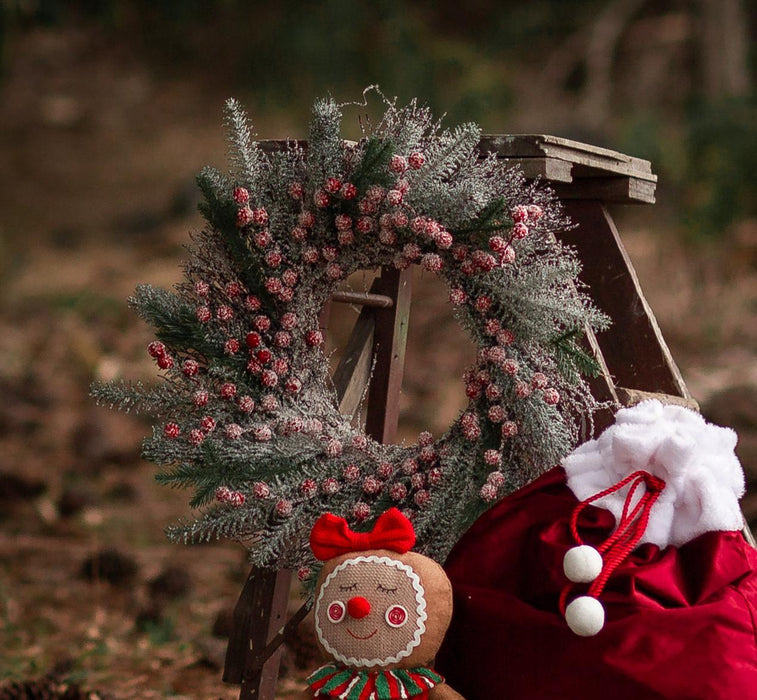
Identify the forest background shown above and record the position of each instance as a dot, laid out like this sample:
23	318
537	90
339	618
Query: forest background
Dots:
108	108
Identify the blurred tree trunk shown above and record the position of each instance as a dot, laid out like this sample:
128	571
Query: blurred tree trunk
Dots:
724	43
604	36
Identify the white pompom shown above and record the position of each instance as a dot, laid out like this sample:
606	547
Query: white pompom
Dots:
582	564
585	616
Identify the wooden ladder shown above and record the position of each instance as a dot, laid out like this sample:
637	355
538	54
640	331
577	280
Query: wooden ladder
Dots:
634	357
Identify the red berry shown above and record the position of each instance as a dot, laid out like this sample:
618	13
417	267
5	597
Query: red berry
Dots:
231	346
283	508
261	322
246	404
225	313
190	367
252	303
360	511
293	386
314	338
156	349
333	185
394	198
348	191
260	217
299	233
497	244
308	488
398	164
269	378
535	212
343	222
364	224
233	431
416	160
520	231
241	195
228	390
398	492
244	217
519	213
262	238
253	340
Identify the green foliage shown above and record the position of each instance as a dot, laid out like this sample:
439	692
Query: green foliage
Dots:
491	218
374	166
245	156
572	360
174	320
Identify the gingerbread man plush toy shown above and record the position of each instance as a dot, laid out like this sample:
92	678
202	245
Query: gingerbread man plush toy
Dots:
381	612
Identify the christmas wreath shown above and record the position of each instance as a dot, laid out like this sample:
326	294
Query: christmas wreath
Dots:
247	413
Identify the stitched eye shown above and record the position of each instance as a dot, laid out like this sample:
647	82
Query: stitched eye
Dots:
351	587
335	611
384	589
396	616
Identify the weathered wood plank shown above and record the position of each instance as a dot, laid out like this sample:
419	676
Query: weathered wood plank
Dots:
636	353
258	615
552	169
630	397
354	370
389	343
610	190
542	145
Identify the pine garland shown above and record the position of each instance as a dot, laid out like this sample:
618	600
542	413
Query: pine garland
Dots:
247	415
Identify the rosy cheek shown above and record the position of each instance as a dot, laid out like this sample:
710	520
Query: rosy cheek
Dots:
396	616
336	611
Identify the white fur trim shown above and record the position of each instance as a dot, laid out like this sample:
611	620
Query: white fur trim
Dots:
703	477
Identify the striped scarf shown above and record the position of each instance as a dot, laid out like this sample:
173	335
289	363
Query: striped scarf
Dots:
334	681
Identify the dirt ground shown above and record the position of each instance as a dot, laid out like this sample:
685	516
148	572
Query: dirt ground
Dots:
96	196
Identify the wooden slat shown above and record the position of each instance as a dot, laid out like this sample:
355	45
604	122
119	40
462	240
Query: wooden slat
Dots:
610	190
363	299
542	145
636	353
354	370
552	169
389	343
631	397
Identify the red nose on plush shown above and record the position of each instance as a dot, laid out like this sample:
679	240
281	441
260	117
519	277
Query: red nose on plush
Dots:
358	607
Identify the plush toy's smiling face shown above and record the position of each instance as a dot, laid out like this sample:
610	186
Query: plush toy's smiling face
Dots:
371	611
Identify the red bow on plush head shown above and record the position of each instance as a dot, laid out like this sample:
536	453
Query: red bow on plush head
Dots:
331	535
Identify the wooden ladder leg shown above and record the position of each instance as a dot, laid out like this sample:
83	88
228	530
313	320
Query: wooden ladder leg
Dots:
635	351
259	614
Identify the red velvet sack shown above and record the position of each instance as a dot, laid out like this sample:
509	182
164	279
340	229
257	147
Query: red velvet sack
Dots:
681	623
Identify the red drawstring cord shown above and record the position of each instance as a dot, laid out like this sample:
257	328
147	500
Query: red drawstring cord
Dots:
627	535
